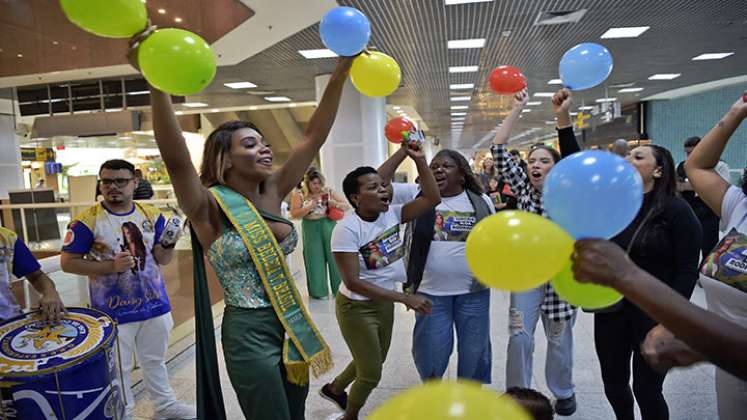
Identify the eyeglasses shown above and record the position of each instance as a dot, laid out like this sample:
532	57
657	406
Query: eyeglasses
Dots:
118	182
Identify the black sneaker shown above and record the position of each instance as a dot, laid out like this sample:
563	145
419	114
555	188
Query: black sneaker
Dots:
566	406
339	400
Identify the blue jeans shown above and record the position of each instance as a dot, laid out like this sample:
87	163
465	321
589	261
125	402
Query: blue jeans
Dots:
524	313
433	337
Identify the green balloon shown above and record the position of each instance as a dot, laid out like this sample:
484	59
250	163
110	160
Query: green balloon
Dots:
177	61
585	295
108	18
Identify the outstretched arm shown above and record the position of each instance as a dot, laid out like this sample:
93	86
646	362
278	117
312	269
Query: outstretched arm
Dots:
504	132
561	106
709	185
431	195
292	171
389	167
511	171
719	340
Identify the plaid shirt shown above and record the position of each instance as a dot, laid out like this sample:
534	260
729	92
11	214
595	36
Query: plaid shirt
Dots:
529	199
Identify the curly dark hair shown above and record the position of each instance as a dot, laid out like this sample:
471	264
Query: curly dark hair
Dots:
534	402
471	182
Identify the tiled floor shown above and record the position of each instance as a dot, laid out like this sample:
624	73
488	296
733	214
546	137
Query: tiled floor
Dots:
690	393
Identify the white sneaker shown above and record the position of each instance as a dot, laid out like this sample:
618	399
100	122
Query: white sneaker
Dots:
177	411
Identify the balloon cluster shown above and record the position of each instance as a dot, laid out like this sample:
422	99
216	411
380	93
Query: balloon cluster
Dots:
173	60
346	31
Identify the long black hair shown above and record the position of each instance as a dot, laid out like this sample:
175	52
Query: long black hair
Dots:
665	187
471	182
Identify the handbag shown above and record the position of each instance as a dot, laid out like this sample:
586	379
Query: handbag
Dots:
335	213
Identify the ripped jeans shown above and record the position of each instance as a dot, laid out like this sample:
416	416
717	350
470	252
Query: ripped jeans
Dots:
524	313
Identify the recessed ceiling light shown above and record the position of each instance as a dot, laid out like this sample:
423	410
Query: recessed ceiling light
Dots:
463	69
603	100
544	94
19	55
396	107
712	56
293	105
322	53
178	113
450	2
460	98
178	20
240	85
458	119
665	76
458	114
533	103
459	86
466	43
162	11
55	43
630	32
585	108
628	90
526	110
139	92
277	99
459	107
215	110
194	104
555	82
252	108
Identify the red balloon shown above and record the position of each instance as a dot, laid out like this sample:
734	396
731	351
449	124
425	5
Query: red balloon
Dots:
395	127
507	80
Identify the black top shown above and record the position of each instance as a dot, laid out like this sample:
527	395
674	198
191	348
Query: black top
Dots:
668	246
701	209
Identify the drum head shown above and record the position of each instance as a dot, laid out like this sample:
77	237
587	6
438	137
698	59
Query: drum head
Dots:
29	346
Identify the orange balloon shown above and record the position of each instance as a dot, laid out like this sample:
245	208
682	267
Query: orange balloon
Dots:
507	80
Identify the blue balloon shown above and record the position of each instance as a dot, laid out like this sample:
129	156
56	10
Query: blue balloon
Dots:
593	194
585	66
345	31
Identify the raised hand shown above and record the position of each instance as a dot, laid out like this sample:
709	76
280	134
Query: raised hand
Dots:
520	99
562	101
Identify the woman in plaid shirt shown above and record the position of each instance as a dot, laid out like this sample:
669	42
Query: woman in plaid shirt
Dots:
527	307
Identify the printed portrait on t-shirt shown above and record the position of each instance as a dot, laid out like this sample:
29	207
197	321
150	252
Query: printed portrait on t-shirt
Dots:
453	226
384	250
727	262
132	242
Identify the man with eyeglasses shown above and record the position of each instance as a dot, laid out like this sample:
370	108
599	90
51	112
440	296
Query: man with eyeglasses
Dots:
119	245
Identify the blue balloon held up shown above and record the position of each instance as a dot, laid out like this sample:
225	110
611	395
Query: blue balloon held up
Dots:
584	66
345	31
593	194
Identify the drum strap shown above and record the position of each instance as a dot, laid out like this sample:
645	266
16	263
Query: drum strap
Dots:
305	346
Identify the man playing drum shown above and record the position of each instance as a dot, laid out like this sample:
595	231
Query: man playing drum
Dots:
119	244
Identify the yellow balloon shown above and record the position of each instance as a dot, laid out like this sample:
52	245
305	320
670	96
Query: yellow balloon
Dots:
375	74
447	400
517	250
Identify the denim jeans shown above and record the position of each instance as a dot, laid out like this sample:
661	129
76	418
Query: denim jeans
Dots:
524	313
433	337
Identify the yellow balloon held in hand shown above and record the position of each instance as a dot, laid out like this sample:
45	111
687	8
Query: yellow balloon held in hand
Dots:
108	18
447	400
176	61
585	295
375	74
517	250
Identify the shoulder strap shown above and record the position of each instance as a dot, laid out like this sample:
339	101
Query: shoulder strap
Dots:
421	230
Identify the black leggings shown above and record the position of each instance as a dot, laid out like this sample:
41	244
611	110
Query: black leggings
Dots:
617	336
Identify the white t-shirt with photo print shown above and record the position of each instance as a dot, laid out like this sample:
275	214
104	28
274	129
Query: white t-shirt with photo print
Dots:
379	247
446	271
